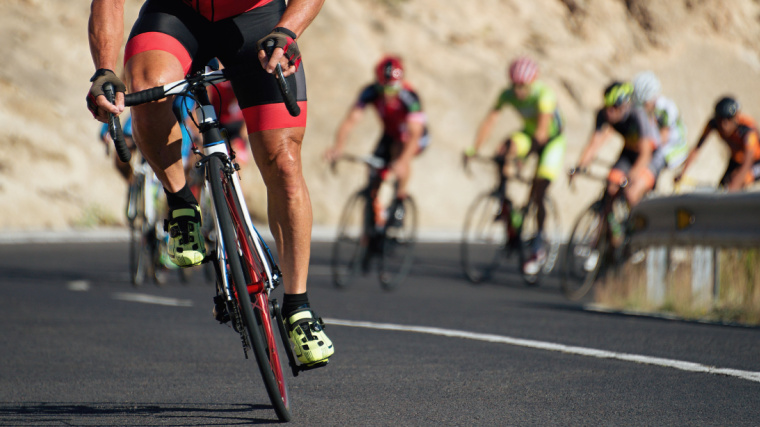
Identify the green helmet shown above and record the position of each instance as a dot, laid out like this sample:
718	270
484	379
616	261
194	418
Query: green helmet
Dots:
617	94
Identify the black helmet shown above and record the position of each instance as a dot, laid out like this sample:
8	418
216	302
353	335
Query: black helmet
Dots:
726	108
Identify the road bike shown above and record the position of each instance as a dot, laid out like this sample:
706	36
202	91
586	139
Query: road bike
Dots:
495	229
599	239
246	271
147	239
376	226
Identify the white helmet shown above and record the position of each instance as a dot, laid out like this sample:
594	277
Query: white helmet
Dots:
646	87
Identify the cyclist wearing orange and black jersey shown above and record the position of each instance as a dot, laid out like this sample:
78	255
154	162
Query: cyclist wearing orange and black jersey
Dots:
637	164
405	132
739	132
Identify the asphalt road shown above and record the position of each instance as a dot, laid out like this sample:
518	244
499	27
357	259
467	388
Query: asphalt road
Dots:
81	346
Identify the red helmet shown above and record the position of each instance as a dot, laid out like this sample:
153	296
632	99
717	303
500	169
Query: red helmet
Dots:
389	70
523	71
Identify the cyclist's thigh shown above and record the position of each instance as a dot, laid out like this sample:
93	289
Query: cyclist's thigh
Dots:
257	91
552	158
521	144
619	172
170	27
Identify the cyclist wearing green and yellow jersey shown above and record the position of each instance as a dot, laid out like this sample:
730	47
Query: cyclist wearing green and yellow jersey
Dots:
541	134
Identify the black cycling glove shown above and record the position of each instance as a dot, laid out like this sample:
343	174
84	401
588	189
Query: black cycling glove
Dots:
283	38
100	78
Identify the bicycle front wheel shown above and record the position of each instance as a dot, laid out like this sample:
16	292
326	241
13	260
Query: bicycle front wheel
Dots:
399	238
246	275
484	239
585	254
139	251
547	248
349	252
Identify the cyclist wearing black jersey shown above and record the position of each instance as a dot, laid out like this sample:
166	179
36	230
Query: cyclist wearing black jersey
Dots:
640	140
170	39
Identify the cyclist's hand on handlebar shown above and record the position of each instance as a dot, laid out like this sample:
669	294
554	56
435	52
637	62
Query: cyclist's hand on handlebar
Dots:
279	46
96	99
469	152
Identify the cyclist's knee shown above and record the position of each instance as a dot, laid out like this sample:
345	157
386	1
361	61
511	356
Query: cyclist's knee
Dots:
152	68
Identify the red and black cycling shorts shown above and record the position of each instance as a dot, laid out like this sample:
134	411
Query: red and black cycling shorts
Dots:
174	27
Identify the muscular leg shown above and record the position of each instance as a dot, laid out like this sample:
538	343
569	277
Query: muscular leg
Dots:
156	130
538	191
278	155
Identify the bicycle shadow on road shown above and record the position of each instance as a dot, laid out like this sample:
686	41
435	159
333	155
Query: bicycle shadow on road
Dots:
130	414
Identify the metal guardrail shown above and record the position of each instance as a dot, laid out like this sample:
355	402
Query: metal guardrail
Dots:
704	222
717	220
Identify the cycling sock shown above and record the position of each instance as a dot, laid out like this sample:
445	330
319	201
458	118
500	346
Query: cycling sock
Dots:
181	199
292	302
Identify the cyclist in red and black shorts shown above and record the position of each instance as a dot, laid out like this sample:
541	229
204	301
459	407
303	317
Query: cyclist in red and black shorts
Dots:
739	132
405	133
172	38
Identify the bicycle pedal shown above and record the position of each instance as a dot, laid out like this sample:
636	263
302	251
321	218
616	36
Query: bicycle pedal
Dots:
209	257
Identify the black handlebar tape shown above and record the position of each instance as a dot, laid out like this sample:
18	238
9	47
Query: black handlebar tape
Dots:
289	96
144	96
114	127
285	88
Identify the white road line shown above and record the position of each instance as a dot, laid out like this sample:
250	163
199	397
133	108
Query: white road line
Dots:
78	286
151	299
541	345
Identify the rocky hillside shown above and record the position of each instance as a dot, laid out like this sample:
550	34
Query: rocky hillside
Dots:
54	173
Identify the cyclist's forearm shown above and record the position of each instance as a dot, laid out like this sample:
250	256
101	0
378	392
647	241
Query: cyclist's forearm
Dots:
106	30
590	150
485	129
299	15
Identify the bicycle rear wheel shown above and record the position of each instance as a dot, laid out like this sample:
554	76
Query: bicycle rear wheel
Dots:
550	240
484	239
350	252
585	253
246	273
399	238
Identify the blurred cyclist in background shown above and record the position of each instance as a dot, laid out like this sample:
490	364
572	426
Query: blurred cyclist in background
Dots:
124	168
637	167
647	93
231	118
405	133
541	134
739	132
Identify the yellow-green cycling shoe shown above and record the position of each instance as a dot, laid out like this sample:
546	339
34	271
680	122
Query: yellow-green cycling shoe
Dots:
186	247
306	332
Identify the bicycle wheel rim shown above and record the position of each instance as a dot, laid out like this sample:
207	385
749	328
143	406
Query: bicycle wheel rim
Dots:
586	241
484	238
227	209
349	250
138	250
399	239
549	240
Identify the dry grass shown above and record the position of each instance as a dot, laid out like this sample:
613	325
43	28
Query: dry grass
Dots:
738	301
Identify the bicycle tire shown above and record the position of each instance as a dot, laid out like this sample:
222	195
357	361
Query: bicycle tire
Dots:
256	321
484	238
585	253
350	251
139	254
399	238
550	240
